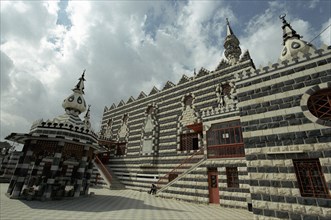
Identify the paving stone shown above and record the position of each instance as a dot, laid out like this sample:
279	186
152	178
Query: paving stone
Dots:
113	204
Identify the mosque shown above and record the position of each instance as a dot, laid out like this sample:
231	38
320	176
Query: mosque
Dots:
236	136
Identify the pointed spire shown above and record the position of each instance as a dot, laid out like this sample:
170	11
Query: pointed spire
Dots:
87	115
231	44
228	29
288	31
293	45
80	85
87	118
75	103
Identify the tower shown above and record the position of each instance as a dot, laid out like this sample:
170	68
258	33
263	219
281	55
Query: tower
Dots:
231	44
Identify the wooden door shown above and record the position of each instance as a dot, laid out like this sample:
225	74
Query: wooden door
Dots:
214	196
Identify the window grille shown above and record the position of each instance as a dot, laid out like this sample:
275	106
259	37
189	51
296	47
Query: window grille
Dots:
109	123
226	89
225	140
172	176
319	104
45	148
120	150
232	177
149	110
125	118
72	151
189	142
188	100
310	178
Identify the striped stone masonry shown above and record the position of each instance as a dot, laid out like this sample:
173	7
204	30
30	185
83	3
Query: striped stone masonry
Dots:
172	118
279	130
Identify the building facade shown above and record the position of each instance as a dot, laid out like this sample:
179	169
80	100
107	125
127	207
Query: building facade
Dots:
236	136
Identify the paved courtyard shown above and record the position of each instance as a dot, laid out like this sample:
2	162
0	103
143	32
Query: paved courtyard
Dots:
115	204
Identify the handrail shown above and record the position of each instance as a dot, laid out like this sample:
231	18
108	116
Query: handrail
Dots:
181	164
103	168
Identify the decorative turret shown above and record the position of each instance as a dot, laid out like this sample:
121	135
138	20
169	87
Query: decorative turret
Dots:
75	103
87	118
231	44
292	42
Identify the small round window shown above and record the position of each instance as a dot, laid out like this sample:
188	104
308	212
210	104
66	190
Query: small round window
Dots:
295	45
71	98
319	104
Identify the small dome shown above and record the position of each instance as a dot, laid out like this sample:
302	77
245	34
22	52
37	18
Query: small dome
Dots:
292	42
293	46
76	102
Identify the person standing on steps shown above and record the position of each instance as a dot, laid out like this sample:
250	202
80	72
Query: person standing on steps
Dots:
153	189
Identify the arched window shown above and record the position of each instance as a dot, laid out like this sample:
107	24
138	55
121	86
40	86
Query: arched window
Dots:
319	104
188	100
125	118
109	123
226	89
149	110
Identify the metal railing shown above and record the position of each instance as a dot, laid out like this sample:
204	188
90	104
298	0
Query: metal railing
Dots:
103	169
174	173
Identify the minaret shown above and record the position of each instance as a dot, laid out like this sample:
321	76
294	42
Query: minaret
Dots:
75	103
292	42
231	44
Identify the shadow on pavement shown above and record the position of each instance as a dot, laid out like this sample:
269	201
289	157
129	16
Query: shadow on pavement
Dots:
96	203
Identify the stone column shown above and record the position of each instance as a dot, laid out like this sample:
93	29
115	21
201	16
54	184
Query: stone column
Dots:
81	171
54	169
88	175
21	170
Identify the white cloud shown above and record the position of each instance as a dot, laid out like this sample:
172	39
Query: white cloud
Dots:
326	35
126	47
313	3
6	69
264	34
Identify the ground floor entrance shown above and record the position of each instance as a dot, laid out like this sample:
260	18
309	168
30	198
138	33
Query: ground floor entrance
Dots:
214	196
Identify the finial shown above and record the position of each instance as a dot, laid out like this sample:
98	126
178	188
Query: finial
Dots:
282	16
76	100
288	31
80	85
228	29
88	111
83	74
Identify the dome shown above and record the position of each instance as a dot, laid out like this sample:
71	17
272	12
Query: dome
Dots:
292	42
293	46
75	102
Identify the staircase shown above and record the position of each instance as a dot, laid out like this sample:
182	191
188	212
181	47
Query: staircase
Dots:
178	173
110	179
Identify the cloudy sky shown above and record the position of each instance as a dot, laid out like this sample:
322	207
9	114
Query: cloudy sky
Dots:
129	46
